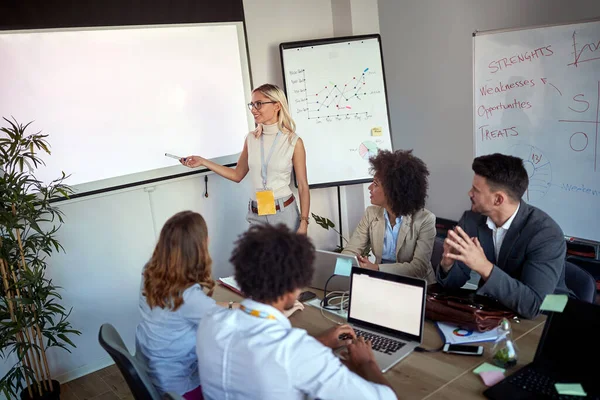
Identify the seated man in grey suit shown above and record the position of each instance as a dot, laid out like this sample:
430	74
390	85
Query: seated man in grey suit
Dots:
517	249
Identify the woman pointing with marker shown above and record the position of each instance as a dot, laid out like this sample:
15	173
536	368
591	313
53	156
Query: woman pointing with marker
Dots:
269	153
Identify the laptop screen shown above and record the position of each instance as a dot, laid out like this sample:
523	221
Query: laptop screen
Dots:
570	339
387	303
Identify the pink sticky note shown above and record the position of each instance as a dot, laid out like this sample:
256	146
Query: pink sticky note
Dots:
490	378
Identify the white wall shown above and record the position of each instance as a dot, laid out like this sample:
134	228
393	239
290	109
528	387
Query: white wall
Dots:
109	237
427	47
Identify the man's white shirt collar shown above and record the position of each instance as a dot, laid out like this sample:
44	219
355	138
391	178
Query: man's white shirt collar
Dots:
507	224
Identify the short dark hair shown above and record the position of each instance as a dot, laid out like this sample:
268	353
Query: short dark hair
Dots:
503	172
271	261
404	180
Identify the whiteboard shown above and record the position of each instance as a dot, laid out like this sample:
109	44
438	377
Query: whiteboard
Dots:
537	96
337	96
115	100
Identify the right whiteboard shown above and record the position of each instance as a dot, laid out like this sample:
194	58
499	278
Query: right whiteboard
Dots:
537	96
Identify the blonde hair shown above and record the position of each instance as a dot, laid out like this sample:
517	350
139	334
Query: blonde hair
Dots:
285	122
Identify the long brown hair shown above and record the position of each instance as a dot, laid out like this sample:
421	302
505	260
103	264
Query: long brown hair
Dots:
180	260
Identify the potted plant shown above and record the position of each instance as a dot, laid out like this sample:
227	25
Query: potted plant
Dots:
31	319
327	224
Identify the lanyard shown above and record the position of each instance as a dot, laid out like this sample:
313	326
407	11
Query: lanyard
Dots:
263	167
256	313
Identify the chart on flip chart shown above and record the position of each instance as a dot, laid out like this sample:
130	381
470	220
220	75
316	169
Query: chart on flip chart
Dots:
337	97
537	97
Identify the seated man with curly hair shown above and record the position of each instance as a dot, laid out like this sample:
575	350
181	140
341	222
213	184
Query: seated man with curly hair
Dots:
254	353
397	228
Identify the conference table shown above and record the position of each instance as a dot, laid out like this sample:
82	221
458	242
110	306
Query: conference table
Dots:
427	375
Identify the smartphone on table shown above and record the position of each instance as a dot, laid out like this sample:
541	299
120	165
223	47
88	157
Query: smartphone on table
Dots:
463	349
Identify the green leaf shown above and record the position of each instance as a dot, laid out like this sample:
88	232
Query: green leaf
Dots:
37	222
64	338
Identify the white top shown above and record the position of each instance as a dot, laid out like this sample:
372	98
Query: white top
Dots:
248	357
279	169
498	233
165	341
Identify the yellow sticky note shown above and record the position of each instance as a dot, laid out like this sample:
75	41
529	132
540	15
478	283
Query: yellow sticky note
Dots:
266	202
554	302
377	131
485	367
570	389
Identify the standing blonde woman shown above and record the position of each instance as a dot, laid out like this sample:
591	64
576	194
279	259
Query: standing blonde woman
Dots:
269	153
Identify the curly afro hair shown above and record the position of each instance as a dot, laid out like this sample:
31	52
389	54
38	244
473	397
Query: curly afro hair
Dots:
404	180
271	261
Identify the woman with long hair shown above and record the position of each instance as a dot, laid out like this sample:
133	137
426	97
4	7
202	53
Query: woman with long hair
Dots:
269	153
172	302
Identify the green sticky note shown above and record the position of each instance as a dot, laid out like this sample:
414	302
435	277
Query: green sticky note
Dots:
570	389
343	266
554	302
487	367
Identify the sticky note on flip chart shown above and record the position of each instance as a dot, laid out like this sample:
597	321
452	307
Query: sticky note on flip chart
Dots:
377	131
570	389
343	266
554	302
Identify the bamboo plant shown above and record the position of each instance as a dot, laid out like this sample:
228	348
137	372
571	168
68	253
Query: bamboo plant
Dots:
31	318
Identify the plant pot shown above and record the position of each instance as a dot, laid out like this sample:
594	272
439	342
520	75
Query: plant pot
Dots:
46	394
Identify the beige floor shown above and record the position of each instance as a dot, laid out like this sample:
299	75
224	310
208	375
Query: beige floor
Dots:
106	384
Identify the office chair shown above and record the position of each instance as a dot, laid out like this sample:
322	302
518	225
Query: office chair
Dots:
438	252
581	282
138	381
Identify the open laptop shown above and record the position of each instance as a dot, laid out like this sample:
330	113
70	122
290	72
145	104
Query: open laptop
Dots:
327	264
569	342
389	310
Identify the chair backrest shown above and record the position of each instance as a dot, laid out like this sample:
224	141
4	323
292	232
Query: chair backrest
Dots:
138	381
581	282
438	252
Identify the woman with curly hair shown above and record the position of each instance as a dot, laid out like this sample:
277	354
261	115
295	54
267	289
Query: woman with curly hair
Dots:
397	228
172	303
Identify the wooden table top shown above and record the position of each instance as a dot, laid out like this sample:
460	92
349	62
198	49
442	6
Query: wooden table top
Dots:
427	375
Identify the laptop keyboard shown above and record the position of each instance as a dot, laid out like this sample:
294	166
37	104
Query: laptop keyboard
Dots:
381	344
533	381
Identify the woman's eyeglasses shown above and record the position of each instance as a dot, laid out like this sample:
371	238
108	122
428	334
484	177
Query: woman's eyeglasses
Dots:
258	105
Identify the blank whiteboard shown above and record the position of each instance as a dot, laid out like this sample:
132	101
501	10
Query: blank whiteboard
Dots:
337	96
537	96
115	100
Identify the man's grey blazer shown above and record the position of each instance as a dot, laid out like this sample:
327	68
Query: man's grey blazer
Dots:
531	261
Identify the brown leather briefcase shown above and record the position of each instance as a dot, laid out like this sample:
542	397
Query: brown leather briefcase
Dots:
464	308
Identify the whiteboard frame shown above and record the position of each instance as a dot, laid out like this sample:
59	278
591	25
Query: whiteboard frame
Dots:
158	175
568	238
492	31
326	41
